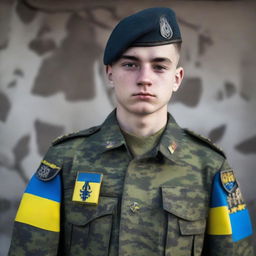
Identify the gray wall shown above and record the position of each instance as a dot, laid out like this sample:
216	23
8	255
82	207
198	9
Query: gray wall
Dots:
52	82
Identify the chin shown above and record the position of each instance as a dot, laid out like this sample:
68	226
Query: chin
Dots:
143	111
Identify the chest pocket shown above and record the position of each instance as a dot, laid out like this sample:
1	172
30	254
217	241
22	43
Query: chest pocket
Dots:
89	227
186	210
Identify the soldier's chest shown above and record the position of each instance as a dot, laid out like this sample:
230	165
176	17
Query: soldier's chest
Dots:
141	177
133	193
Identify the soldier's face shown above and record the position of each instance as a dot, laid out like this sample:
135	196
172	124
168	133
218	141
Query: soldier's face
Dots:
144	79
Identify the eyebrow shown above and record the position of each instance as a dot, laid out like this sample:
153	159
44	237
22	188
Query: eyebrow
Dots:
129	57
157	59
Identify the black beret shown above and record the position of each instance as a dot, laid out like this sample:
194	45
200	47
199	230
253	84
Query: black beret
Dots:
150	27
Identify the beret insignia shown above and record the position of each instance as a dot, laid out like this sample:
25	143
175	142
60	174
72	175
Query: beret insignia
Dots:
165	28
47	171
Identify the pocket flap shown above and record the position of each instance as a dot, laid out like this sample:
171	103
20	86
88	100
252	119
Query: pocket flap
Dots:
80	214
196	227
185	202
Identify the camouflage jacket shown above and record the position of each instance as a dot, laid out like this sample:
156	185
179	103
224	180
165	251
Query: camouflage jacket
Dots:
179	199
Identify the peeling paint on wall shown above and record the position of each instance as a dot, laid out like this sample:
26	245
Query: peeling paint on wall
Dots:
46	132
5	106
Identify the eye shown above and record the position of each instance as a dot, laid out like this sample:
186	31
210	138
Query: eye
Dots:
130	65
158	67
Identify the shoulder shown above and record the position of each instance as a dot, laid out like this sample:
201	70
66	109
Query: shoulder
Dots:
75	135
62	148
204	140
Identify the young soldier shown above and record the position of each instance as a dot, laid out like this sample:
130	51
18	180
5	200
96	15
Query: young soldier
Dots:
138	184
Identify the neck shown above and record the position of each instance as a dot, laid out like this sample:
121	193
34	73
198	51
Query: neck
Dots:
141	125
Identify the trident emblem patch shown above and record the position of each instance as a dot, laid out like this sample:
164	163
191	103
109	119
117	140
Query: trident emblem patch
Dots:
87	187
85	192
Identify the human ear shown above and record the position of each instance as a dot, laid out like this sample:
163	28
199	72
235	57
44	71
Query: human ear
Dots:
179	74
109	73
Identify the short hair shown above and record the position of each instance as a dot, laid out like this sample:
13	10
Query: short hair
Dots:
178	47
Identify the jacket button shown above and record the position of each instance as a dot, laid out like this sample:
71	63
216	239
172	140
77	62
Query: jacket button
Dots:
134	207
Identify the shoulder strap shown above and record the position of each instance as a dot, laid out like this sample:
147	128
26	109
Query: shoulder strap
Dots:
83	133
206	140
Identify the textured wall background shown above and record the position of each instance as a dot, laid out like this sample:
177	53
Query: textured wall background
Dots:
52	82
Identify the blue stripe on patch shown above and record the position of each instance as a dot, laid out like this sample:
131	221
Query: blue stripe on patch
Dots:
46	189
241	225
90	177
219	195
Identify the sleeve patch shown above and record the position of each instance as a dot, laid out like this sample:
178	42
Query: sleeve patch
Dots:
40	204
228	180
228	213
47	171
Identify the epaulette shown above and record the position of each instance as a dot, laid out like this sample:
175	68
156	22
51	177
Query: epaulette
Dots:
206	140
83	133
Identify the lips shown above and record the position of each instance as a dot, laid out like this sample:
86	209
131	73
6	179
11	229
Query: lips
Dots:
145	94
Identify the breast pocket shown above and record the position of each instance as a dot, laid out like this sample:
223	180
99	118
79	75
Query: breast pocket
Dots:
186	210
89	227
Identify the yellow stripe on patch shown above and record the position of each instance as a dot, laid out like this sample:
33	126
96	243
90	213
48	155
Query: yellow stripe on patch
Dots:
219	221
39	212
50	165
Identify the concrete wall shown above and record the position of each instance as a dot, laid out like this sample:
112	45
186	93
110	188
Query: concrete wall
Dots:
52	82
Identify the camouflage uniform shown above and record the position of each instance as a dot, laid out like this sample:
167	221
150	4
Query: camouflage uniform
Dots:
152	205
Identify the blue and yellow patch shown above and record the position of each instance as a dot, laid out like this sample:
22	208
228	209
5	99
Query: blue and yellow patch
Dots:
228	214
40	204
87	187
228	180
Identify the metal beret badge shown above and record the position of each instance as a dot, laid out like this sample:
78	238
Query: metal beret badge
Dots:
165	28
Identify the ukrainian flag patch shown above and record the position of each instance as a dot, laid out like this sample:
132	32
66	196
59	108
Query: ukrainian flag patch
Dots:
228	214
40	204
87	187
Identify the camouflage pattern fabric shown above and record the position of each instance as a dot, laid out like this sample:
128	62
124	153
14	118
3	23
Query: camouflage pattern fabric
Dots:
152	205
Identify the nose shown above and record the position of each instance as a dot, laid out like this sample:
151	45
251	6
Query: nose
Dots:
144	76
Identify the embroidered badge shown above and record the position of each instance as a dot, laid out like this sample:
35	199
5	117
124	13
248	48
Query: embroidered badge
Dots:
235	201
228	214
85	192
228	180
87	187
165	28
172	147
47	171
234	198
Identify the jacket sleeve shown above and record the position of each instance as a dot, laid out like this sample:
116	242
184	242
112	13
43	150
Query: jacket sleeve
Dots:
229	227
37	223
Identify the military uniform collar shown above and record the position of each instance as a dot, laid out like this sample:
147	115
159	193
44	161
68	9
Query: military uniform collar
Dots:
109	135
171	141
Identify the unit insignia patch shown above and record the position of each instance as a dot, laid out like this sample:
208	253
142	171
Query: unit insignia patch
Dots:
47	171
228	180
87	187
